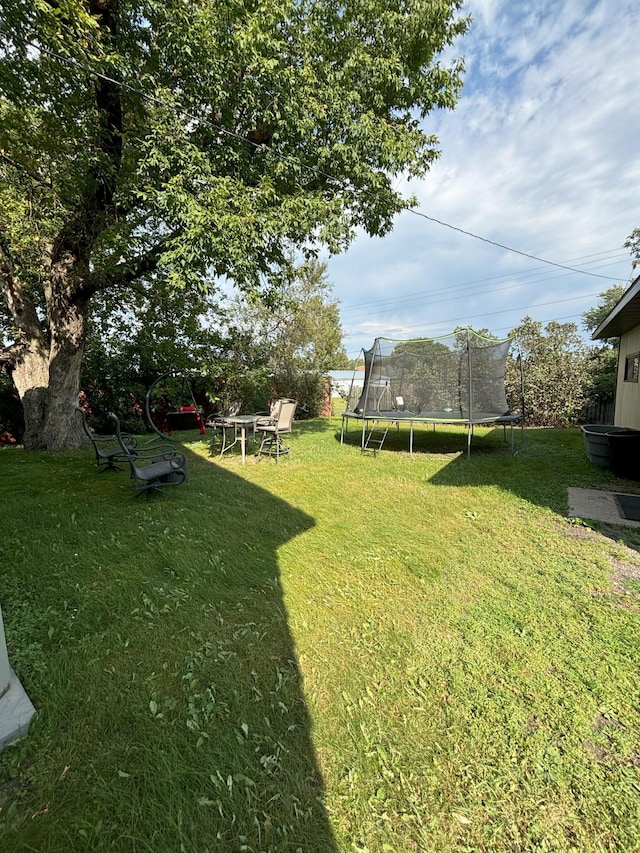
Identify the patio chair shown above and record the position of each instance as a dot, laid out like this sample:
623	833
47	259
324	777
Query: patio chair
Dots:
267	418
107	448
218	424
154	468
274	427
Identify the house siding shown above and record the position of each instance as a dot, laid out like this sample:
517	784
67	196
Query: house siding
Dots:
627	393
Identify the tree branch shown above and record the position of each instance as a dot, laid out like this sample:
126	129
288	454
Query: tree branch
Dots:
20	168
21	307
125	274
79	235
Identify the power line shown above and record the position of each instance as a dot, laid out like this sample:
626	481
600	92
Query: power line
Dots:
353	353
453	292
508	248
493	313
290	159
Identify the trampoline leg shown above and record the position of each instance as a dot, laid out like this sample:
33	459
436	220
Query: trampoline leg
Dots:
469	434
410	439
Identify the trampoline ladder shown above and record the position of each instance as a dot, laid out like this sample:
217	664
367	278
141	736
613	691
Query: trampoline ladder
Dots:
375	438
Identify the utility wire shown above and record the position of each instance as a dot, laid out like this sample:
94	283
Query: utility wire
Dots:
503	329
508	248
462	291
530	273
289	158
504	311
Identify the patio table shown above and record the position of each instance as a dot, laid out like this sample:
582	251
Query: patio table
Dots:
242	425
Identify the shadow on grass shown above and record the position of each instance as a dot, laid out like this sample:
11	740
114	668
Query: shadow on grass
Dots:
436	439
153	638
551	461
545	464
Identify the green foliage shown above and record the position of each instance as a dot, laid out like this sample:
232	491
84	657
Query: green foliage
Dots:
146	334
602	364
298	327
602	369
592	318
633	243
309	388
290	341
171	143
554	365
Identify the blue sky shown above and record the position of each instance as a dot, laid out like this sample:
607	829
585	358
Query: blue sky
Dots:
541	154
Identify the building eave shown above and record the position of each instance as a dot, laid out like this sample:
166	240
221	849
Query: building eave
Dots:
624	316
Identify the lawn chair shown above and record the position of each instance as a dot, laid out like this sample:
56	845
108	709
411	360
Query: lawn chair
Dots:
218	424
275	426
154	468
107	448
267	418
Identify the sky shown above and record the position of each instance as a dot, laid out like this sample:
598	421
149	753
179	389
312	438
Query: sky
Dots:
541	155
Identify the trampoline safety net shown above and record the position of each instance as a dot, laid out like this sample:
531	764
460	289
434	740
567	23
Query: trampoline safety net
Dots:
457	377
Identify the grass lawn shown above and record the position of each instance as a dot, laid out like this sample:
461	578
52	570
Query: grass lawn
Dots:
335	654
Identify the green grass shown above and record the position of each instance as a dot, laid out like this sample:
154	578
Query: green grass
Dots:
335	654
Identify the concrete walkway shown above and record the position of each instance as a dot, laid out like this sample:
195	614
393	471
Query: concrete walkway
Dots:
599	506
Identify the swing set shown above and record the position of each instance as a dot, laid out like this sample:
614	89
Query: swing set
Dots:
172	386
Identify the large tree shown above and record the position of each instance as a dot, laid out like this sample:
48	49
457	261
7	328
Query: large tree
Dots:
299	329
176	142
554	364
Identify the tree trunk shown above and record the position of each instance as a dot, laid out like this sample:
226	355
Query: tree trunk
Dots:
62	427
31	377
48	389
45	361
48	380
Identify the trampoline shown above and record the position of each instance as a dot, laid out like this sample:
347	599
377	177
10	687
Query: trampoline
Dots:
454	379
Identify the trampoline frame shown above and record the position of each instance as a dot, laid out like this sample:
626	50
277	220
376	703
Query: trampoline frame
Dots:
397	417
371	415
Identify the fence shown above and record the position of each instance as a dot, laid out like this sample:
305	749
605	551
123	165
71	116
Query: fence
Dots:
601	412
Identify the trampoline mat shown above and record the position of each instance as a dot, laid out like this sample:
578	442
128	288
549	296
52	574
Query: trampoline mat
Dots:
628	506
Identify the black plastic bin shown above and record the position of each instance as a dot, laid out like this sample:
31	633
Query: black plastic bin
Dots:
624	453
596	442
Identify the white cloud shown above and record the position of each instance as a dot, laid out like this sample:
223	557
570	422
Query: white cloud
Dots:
541	154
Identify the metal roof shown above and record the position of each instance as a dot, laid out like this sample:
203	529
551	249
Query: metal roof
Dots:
624	316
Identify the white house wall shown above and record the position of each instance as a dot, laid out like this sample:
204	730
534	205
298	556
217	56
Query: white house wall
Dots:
628	393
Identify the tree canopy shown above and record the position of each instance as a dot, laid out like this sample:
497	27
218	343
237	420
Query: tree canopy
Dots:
301	329
592	317
554	365
633	243
174	143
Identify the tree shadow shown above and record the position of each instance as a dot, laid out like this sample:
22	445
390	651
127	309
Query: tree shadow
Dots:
549	462
543	464
188	730
435	439
546	462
